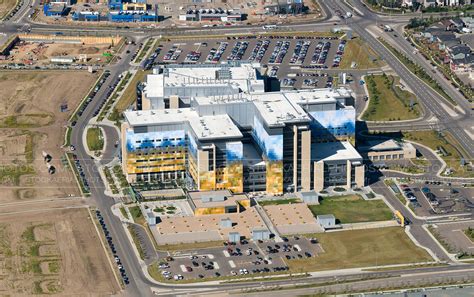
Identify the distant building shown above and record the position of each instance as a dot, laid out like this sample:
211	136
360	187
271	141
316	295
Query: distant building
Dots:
54	10
88	16
218	14
383	150
133	16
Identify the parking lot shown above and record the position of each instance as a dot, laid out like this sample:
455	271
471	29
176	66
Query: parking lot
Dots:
243	258
297	62
437	198
454	235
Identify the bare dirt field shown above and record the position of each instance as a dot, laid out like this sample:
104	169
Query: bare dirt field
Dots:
6	6
40	53
31	122
56	252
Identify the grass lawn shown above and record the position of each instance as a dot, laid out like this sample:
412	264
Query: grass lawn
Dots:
434	140
361	248
95	139
279	201
417	70
360	53
388	102
137	215
129	95
352	209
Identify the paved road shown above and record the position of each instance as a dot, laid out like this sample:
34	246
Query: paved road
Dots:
140	285
426	95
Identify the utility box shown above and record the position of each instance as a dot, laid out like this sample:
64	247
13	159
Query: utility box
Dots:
234	236
260	234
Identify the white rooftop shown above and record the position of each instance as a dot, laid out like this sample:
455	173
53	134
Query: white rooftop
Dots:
277	108
335	151
385	145
243	77
205	127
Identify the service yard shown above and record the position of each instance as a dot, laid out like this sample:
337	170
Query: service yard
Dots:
54	252
34	109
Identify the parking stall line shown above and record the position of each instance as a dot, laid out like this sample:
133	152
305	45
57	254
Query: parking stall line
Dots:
232	264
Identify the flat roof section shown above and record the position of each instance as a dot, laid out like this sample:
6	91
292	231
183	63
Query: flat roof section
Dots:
204	127
294	218
222	198
243	77
189	229
335	151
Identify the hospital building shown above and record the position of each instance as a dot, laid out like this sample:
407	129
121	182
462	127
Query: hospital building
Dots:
218	127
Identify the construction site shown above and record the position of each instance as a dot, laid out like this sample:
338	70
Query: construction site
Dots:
39	50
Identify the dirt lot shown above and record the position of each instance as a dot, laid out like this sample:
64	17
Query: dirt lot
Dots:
5	6
39	53
55	252
31	122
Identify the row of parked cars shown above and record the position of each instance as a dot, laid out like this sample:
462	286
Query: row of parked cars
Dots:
135	53
259	50
112	247
91	95
300	52
82	175
321	53
173	54
303	74
149	62
216	54
288	82
339	53
238	51
192	56
279	52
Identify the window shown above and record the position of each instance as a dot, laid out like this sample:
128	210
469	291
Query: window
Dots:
400	156
382	157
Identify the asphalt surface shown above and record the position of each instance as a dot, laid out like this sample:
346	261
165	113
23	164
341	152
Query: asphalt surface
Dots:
139	284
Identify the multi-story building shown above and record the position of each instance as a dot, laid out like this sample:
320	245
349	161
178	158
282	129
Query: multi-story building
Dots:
216	127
